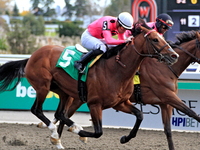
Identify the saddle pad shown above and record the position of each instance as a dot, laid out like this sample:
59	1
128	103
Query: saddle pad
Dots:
66	62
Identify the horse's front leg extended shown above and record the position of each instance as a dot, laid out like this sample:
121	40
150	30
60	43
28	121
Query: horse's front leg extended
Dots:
96	114
128	107
166	111
176	102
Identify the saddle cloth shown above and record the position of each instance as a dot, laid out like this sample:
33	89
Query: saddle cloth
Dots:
67	59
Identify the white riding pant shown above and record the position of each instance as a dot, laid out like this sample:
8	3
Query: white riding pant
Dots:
91	43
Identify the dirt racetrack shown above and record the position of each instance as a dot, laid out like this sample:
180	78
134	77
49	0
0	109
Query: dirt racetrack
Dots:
29	137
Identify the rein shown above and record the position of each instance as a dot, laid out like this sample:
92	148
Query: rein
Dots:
118	55
197	47
157	51
193	56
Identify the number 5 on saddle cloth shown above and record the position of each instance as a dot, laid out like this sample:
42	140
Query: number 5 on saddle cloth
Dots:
66	62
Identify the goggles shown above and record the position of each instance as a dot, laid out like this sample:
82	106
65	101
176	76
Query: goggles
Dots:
165	27
168	23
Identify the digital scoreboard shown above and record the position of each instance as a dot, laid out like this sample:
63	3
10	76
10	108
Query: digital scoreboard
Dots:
185	14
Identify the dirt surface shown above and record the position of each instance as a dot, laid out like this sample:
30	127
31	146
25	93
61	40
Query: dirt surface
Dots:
29	137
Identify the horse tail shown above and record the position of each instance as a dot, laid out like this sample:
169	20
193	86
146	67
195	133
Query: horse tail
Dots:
9	72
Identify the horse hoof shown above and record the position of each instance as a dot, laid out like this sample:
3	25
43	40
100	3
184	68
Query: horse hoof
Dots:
41	125
59	146
83	139
56	142
123	140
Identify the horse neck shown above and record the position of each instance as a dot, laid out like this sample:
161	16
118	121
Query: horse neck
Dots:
184	59
131	59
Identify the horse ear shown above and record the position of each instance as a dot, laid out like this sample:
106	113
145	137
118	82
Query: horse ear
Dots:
198	35
144	29
139	23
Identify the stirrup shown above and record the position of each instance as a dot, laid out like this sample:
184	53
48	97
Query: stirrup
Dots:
79	67
82	71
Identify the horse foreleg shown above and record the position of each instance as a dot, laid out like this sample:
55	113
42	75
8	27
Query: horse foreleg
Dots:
72	109
43	125
176	102
128	107
166	111
96	114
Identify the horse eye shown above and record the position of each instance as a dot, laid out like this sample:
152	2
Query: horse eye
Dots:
155	40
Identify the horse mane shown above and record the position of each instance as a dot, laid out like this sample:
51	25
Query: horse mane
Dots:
113	51
136	27
182	38
185	37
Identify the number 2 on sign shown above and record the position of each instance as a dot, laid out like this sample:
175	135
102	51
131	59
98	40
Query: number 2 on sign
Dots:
67	58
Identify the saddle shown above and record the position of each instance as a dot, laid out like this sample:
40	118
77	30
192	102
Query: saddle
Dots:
82	87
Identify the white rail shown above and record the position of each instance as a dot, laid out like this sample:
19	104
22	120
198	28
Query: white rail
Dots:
12	57
191	73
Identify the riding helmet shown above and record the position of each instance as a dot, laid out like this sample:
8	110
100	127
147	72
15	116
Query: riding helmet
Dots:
126	20
163	19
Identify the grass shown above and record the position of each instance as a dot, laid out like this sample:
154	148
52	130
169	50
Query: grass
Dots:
48	32
51	34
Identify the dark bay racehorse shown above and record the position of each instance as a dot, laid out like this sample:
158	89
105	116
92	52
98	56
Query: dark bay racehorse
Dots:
159	82
159	85
108	83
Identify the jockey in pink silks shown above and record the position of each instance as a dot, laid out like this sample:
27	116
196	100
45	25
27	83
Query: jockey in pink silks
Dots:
163	23
100	32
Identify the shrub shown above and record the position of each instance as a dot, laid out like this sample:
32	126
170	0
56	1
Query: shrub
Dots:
36	24
70	29
3	44
20	39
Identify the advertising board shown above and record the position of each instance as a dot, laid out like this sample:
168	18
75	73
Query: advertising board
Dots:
188	92
23	97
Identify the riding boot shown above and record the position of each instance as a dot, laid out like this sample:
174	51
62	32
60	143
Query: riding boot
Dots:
80	65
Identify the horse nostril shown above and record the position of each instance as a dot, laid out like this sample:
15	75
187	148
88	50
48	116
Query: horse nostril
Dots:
174	56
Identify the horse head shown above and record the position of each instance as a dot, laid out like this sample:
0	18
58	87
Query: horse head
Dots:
197	48
188	47
155	46
189	44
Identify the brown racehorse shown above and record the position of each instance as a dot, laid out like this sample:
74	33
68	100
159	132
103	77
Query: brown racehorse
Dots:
159	82
108	83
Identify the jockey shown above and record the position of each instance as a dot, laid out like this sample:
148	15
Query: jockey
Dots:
162	24
100	32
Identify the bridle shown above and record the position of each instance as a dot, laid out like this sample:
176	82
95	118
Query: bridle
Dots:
197	47
156	50
195	59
